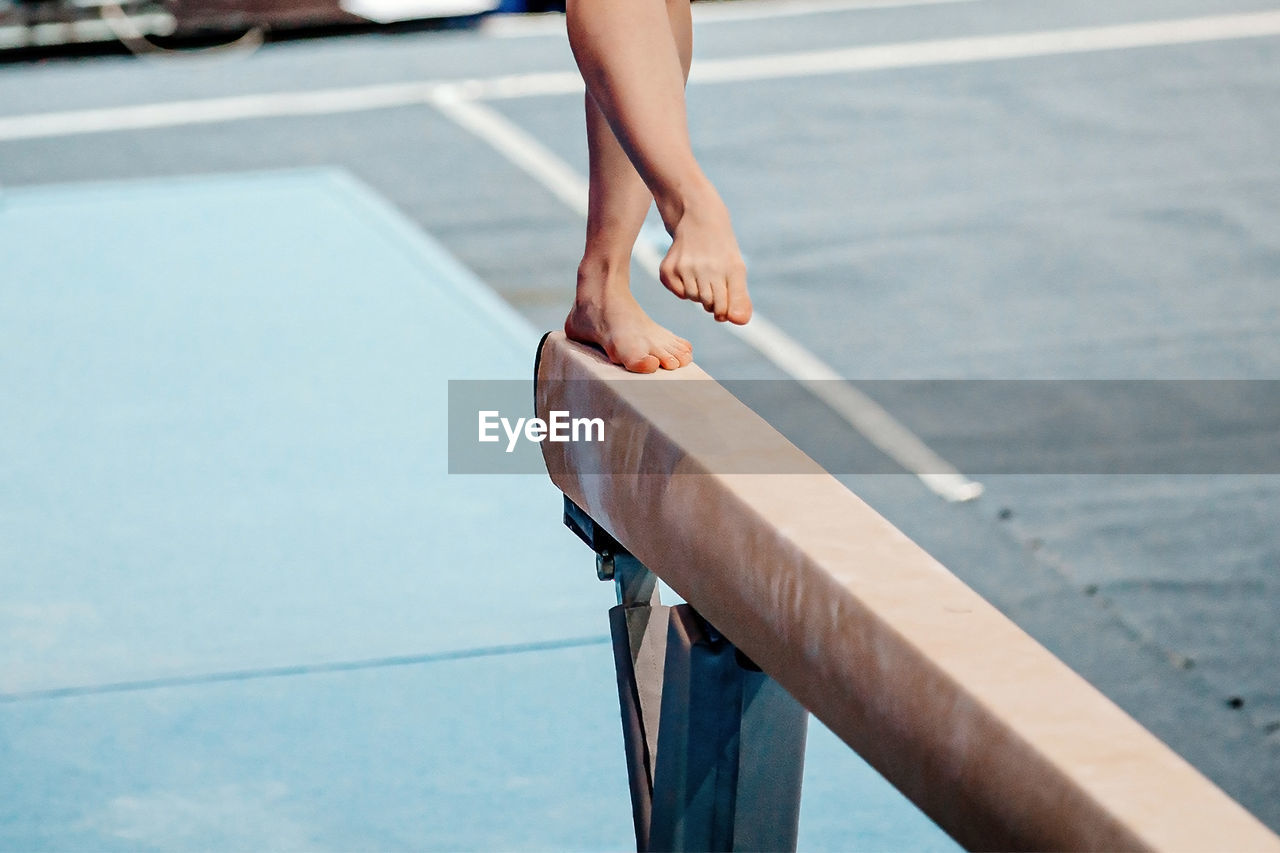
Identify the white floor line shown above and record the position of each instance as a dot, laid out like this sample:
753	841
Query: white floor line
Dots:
552	23
914	54
215	110
800	64
861	412
755	10
517	146
871	420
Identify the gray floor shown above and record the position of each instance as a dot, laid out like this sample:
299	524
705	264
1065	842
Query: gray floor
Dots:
1088	216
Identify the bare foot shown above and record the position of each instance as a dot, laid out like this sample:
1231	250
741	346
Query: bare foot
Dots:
704	263
610	317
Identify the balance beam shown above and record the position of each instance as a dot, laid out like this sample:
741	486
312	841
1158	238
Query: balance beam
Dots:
993	737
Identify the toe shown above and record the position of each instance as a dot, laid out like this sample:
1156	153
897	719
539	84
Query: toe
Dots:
720	293
706	295
633	358
739	301
671	279
644	364
668	359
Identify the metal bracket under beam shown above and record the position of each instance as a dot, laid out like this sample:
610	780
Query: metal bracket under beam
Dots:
715	748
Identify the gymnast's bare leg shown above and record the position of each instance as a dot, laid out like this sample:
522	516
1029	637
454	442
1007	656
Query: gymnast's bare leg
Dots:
634	56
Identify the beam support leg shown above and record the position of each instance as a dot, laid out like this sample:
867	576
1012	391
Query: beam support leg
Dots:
726	772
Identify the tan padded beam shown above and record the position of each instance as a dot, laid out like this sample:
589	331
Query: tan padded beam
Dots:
992	736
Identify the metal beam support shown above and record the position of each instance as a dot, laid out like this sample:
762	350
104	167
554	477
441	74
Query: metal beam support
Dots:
726	772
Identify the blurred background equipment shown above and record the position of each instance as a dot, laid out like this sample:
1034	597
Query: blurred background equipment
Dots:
140	25
34	24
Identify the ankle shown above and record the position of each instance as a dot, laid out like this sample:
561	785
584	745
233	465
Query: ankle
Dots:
600	275
692	196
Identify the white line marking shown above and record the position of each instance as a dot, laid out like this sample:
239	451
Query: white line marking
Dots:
864	414
858	410
754	10
800	64
552	23
988	48
215	110
523	85
517	146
